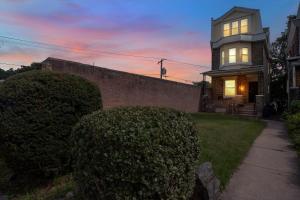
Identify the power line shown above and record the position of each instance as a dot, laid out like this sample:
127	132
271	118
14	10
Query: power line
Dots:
58	47
173	77
186	63
77	49
185	80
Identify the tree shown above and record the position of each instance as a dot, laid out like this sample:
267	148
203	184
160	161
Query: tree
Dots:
201	83
279	71
5	74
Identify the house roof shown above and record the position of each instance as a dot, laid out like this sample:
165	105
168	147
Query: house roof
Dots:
232	72
234	9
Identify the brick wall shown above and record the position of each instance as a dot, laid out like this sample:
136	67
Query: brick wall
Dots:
126	89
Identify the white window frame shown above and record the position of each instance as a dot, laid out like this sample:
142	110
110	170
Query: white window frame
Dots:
229	29
236	28
229	56
241	27
242	54
226	95
223	57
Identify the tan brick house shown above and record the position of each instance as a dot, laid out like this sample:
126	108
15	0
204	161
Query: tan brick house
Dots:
293	57
240	62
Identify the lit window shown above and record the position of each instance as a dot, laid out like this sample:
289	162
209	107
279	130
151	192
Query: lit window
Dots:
244	26
226	30
223	58
230	88
235	28
245	56
232	55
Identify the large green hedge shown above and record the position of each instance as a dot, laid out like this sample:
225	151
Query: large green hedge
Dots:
294	129
295	107
135	153
37	112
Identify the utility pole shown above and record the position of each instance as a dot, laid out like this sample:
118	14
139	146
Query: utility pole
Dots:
163	70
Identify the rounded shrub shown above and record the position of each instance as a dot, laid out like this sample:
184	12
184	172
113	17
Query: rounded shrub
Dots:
295	107
135	153
293	122
37	112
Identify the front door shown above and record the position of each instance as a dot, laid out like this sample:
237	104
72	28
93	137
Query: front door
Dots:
253	91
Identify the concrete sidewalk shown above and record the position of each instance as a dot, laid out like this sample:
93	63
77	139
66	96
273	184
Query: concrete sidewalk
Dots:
270	171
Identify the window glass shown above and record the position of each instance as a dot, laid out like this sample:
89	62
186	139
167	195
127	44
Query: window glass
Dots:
223	58
232	55
230	89
226	30
244	26
235	28
245	56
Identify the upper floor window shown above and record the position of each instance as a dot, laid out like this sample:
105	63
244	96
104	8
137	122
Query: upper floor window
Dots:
244	55
232	55
244	26
223	58
226	30
235	28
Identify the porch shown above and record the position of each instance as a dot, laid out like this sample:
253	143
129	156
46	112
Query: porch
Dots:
294	79
236	91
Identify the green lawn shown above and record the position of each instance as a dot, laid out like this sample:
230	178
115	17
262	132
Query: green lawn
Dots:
225	141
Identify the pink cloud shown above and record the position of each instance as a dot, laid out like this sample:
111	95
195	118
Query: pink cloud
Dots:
86	43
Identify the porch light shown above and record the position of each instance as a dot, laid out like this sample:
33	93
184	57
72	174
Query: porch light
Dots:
242	88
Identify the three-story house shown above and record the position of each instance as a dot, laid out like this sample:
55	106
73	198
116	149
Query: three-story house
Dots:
240	62
293	52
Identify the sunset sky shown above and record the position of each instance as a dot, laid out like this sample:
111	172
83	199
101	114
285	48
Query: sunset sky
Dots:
88	29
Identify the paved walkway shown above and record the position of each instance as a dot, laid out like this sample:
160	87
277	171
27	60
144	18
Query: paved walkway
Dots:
270	171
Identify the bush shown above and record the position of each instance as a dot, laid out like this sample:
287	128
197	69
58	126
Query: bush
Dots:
38	111
295	107
294	129
135	153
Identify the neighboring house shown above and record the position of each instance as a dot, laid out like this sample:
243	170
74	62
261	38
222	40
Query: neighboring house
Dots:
240	62
293	51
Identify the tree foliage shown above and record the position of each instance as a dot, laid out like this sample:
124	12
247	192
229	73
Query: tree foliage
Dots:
37	112
4	74
135	153
279	71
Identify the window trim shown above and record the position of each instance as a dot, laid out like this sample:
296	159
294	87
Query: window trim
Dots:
238	27
235	87
229	29
242	54
244	26
229	56
223	57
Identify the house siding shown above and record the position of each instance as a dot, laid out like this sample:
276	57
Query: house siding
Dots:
217	87
261	83
257	53
215	58
294	51
241	80
298	77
